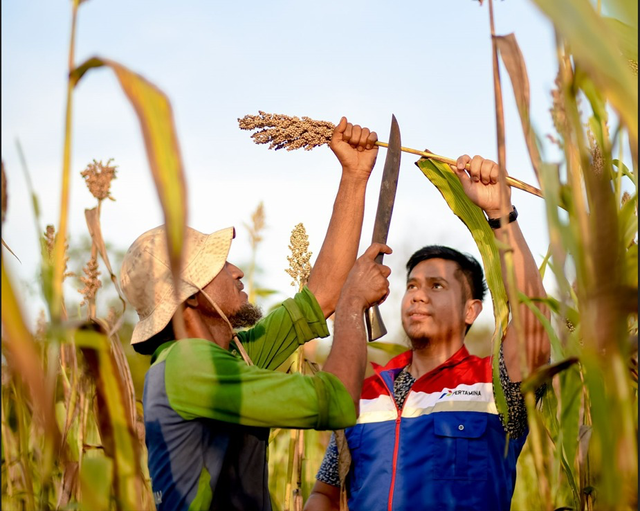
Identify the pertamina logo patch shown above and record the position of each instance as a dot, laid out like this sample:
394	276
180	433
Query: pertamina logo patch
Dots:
459	392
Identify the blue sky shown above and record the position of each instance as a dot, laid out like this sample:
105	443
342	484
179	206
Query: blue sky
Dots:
428	62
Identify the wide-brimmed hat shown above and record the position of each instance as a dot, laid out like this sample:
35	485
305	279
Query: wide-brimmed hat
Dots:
146	278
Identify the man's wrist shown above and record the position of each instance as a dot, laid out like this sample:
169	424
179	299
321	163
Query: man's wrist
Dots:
354	176
351	303
495	218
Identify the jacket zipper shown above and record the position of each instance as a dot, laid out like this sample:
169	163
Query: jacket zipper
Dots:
394	464
396	445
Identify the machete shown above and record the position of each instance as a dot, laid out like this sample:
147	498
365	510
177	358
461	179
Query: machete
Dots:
373	319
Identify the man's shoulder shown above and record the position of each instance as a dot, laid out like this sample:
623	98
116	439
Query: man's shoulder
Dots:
475	362
194	352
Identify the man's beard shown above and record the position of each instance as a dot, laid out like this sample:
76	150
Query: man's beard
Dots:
418	343
247	315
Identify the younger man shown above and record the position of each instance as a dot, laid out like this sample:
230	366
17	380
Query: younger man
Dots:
429	436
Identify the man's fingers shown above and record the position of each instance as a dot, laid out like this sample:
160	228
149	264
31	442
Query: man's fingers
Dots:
381	301
495	173
475	167
462	161
485	171
372	139
356	131
364	136
339	129
375	249
347	133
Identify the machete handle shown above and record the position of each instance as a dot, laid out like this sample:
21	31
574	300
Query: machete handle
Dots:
373	318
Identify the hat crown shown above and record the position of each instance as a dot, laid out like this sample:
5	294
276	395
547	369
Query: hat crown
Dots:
147	282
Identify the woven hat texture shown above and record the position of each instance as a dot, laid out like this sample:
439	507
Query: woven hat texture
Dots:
147	283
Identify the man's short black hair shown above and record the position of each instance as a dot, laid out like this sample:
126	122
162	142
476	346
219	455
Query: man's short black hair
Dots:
468	265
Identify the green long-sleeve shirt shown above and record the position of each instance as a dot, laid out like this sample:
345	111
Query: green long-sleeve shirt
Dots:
207	412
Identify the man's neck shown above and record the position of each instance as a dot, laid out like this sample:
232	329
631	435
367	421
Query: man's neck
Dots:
427	355
202	327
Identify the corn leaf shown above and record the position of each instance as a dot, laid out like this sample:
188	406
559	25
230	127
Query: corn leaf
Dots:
472	216
557	350
391	348
628	222
625	10
25	359
570	393
559	232
624	169
116	429
161	143
627	37
549	417
96	478
630	271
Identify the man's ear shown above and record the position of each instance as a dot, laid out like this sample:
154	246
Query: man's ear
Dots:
472	310
192	301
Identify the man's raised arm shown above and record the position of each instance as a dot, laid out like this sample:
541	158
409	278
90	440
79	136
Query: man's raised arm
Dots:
356	150
482	186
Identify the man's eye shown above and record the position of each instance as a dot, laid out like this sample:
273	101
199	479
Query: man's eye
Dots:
437	285
411	286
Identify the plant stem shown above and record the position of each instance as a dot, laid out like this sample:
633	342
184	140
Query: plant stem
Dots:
511	181
59	247
508	268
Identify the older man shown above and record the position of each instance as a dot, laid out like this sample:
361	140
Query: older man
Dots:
207	411
429	436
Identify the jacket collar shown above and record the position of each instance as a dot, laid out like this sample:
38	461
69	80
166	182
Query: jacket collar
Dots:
404	359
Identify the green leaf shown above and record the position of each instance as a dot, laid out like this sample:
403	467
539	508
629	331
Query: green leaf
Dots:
25	358
262	292
545	262
630	271
628	221
627	37
625	10
556	345
96	478
392	348
560	234
570	394
114	419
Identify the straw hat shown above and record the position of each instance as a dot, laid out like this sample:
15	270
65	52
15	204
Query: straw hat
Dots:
146	278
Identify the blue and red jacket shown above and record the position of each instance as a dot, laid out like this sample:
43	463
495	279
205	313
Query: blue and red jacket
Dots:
444	450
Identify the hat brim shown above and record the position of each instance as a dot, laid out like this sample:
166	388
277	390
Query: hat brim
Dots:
198	270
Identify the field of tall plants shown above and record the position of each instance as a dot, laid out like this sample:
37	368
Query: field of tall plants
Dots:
72	427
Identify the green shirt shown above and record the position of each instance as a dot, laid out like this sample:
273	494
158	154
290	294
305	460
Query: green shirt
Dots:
197	393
